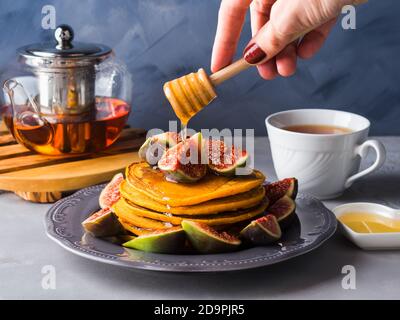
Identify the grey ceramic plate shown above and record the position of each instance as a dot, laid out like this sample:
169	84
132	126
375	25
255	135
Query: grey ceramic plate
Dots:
314	225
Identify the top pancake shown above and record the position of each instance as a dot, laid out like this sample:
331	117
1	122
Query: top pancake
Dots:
152	183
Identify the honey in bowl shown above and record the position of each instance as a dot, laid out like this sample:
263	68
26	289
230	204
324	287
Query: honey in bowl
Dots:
317	129
367	222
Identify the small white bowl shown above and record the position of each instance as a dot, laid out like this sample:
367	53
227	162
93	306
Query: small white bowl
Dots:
370	241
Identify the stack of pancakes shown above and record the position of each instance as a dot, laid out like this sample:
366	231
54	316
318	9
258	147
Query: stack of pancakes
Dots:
149	202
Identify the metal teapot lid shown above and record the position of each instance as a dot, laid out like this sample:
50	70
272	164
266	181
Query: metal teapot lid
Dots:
64	52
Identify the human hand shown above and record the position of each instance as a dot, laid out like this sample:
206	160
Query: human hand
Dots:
276	26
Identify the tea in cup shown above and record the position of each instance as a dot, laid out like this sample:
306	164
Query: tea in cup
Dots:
322	148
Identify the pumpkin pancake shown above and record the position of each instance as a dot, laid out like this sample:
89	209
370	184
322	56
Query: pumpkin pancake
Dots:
125	208
134	229
140	221
244	200
152	183
145	218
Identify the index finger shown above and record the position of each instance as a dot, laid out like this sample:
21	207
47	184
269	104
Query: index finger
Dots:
231	18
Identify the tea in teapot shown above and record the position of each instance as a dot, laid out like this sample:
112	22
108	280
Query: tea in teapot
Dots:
74	100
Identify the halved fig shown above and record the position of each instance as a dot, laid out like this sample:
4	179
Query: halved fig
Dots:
207	240
284	210
223	159
154	147
276	190
103	223
161	241
182	163
263	231
110	194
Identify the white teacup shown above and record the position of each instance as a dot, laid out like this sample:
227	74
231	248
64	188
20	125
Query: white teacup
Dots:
324	164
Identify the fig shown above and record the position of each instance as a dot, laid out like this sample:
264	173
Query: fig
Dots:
120	239
182	163
284	210
263	231
103	223
161	241
110	194
154	147
125	237
276	190
208	240
225	160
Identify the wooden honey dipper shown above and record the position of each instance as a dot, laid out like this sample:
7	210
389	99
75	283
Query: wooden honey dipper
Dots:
191	93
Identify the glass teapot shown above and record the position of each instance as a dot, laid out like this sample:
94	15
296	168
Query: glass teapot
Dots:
73	97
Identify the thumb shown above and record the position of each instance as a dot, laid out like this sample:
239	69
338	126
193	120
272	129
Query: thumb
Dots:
266	44
283	27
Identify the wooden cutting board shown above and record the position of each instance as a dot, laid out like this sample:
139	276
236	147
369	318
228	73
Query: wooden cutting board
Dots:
41	178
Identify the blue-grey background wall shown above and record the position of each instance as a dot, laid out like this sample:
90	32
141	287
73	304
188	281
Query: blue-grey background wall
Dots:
357	70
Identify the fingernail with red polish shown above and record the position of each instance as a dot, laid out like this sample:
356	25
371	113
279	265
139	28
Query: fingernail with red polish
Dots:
253	54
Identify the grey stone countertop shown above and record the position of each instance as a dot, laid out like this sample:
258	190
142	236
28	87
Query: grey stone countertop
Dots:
26	254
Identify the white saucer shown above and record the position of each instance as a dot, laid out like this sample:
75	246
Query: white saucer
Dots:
370	241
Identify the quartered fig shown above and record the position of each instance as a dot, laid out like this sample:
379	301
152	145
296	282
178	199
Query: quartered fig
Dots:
120	239
182	163
154	147
103	223
262	231
284	210
110	194
278	189
207	240
225	159
161	241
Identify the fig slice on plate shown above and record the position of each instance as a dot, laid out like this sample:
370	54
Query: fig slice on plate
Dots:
170	240
154	147
284	210
263	231
182	163
103	223
119	239
110	194
225	159
208	240
278	189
